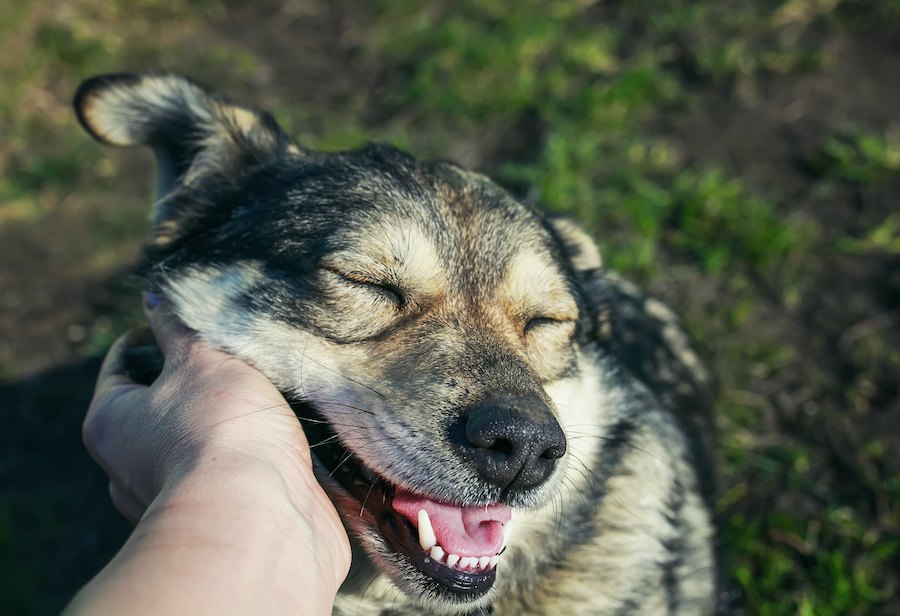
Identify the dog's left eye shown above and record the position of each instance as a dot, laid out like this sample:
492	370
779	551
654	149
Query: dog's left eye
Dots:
538	323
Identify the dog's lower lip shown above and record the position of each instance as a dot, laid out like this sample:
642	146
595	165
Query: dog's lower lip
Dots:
368	474
452	580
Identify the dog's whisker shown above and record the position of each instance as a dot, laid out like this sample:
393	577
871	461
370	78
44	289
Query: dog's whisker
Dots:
590	473
332	405
340	464
344	376
254	412
335	438
366	499
362	595
325	441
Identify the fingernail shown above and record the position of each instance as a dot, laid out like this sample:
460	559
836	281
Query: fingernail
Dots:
151	300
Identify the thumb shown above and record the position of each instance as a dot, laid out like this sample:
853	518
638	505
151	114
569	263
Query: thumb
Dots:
172	336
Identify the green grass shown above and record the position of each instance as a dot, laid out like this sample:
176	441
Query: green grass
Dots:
597	80
859	157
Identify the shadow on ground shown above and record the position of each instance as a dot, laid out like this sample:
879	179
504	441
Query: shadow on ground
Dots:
54	498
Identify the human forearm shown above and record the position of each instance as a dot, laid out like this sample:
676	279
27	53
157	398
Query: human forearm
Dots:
234	536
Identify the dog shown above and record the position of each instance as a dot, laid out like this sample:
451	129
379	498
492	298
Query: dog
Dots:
504	426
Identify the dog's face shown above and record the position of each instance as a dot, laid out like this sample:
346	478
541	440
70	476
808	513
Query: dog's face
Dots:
425	322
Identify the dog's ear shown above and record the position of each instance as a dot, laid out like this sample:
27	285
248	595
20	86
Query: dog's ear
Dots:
195	135
580	248
584	256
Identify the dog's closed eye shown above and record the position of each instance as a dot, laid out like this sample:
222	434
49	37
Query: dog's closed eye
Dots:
542	322
384	288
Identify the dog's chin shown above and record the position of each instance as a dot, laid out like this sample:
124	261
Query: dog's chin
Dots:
383	517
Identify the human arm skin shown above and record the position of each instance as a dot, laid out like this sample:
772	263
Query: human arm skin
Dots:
215	466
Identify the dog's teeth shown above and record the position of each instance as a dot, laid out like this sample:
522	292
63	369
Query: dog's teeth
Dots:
437	553
493	562
452	559
483	562
507	532
467	561
427	538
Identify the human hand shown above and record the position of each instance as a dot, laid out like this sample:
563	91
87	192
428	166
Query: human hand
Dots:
206	419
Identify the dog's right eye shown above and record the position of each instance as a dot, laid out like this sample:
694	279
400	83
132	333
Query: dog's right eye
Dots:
386	289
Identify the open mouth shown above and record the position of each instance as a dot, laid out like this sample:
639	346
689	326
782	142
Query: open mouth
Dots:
456	547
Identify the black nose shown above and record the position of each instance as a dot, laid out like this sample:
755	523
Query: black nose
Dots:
514	442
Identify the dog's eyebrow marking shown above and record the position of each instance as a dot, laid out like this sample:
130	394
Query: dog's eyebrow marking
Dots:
399	253
533	286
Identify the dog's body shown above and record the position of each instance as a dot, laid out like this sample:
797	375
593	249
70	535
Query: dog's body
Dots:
461	357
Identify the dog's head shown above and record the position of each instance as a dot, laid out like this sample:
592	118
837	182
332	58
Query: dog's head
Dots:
428	325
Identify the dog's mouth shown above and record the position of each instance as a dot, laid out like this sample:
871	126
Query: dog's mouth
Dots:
456	547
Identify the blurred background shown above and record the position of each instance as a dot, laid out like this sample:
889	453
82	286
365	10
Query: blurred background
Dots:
740	159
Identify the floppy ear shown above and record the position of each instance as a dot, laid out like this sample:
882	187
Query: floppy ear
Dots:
580	248
584	256
194	134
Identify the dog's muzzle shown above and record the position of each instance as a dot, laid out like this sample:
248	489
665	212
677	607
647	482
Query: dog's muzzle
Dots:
512	442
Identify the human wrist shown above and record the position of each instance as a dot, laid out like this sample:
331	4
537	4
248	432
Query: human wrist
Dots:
277	492
232	534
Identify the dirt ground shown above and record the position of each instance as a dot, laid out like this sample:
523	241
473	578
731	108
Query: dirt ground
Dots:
56	296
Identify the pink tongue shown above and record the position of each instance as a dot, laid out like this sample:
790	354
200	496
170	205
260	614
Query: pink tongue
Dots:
464	531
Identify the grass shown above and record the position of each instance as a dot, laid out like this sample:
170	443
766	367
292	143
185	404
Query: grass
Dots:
859	157
883	237
809	523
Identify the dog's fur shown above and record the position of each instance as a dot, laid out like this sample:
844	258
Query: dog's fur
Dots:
388	298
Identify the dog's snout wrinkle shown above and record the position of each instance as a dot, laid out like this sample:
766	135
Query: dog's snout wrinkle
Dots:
514	443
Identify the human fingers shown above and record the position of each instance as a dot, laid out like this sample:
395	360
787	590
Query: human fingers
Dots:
172	336
113	377
131	430
113	386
